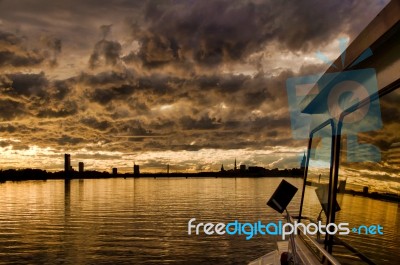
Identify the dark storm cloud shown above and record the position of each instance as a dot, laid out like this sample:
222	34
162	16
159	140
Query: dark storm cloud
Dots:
154	145
201	94
104	78
207	32
388	134
211	33
10	109
254	99
158	84
390	107
67	108
69	140
223	83
9	38
156	51
203	123
108	86
8	58
94	123
5	143
105	95
105	51
15	51
27	85
61	89
54	45
137	106
17	129
8	128
133	128
97	156
35	95
163	125
270	122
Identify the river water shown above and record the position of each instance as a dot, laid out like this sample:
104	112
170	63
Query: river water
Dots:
145	221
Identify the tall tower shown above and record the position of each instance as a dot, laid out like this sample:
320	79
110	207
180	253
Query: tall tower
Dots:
81	167
222	168
235	168
136	170
167	168
67	162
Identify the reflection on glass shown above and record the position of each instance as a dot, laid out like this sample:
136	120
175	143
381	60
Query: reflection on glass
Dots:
382	176
318	172
315	204
368	183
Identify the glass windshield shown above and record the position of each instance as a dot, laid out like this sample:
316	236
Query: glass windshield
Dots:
369	196
316	190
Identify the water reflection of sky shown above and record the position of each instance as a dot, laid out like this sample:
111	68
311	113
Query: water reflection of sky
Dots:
135	220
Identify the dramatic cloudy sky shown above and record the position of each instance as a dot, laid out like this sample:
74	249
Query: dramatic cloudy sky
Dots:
189	83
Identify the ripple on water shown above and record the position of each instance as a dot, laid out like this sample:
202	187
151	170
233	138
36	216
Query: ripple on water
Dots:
144	221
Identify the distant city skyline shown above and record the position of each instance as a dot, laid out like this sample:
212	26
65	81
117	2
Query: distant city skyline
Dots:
135	169
192	84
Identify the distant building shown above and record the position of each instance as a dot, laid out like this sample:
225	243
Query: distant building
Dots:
235	168
115	171
67	162
222	168
81	167
257	170
136	170
303	162
242	168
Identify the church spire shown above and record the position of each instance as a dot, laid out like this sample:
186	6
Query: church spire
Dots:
235	165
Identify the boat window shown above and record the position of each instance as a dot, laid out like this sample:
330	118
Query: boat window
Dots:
315	200
369	176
